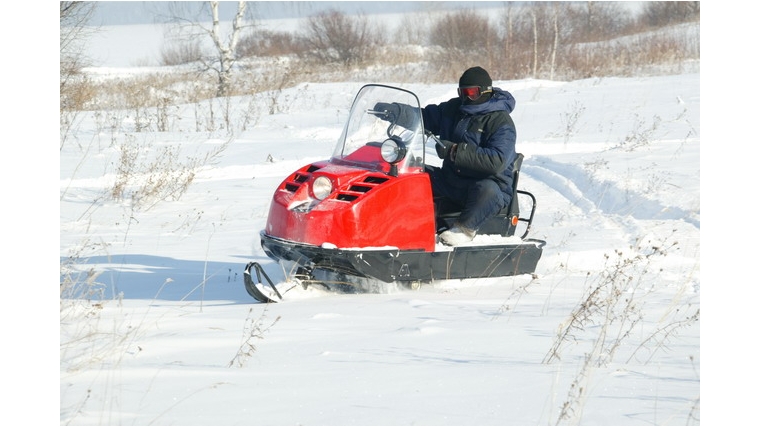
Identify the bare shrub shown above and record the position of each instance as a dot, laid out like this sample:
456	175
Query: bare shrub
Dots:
631	55
79	91
252	330
594	21
659	13
74	17
641	135
75	88
77	284
182	52
466	39
333	37
146	177
569	119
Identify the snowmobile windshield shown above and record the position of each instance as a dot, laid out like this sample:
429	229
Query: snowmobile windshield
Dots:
384	127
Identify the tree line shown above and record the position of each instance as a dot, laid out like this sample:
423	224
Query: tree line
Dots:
533	39
547	40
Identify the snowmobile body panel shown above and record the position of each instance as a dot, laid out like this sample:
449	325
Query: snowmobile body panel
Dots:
366	208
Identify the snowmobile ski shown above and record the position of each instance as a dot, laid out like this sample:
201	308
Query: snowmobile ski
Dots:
256	289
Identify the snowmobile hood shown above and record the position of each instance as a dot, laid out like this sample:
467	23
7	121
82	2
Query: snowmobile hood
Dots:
500	101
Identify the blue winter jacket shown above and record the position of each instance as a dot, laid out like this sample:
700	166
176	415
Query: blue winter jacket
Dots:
485	134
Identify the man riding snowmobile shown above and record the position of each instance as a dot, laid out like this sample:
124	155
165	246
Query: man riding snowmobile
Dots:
477	144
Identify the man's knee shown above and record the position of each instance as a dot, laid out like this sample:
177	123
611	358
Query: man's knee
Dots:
487	189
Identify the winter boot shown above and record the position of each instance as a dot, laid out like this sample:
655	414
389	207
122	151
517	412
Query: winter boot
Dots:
457	235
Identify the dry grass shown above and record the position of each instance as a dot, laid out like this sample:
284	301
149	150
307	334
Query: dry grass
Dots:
252	330
618	300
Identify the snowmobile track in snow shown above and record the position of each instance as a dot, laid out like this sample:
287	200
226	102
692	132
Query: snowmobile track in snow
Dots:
603	199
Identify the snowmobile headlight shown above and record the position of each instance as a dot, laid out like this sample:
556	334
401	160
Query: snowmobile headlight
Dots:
321	187
393	150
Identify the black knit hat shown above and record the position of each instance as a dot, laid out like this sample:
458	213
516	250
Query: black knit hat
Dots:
475	76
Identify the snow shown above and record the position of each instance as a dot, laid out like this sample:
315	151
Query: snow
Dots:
178	341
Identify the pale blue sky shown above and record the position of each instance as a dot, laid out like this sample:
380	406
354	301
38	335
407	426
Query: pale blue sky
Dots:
149	12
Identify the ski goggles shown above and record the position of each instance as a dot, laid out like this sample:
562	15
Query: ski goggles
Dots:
473	92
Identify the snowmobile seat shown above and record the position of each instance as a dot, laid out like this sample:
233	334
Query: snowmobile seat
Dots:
504	223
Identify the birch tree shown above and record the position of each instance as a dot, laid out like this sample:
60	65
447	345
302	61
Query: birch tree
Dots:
225	48
224	58
534	20
555	44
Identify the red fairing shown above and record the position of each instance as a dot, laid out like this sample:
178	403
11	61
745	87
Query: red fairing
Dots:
365	209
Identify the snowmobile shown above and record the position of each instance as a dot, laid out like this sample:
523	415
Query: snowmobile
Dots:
368	212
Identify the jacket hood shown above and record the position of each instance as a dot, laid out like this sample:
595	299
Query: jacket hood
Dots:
501	100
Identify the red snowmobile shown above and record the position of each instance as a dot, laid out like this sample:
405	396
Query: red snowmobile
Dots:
368	212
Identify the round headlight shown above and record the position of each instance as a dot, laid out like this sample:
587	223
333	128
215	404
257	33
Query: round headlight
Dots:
322	187
393	151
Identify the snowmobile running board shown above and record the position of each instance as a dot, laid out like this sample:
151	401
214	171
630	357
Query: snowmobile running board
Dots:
406	266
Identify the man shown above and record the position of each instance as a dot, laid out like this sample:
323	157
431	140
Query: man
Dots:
477	145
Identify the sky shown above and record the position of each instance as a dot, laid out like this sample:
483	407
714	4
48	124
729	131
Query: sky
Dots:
121	12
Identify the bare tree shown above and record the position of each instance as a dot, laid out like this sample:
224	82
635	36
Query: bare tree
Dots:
508	34
534	21
226	50
537	38
555	45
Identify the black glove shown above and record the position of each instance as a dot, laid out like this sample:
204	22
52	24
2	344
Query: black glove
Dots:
386	111
443	148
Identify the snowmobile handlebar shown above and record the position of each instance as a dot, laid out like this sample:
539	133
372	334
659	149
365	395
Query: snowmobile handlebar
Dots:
438	142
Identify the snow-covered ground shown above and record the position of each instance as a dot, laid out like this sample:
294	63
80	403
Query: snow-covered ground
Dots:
615	166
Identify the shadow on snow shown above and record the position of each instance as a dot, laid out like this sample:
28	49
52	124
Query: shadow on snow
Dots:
161	278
